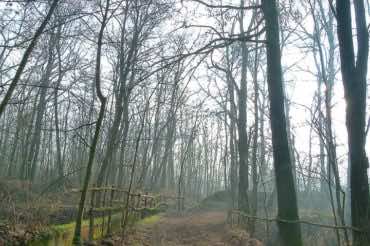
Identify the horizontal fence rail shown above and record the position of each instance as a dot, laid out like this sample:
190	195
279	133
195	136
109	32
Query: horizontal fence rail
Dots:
108	201
314	233
232	220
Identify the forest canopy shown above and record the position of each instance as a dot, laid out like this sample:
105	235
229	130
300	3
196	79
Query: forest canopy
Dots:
257	109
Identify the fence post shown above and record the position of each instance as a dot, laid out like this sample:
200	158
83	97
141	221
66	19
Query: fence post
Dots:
138	200
131	202
91	215
124	207
145	199
104	211
109	229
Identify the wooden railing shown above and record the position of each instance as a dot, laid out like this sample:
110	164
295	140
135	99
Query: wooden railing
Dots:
108	201
237	217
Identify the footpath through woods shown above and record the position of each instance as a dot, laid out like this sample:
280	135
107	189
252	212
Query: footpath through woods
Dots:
200	228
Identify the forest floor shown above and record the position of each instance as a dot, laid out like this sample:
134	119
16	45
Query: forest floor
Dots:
201	228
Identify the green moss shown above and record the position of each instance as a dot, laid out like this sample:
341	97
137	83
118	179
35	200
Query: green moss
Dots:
63	234
59	229
149	220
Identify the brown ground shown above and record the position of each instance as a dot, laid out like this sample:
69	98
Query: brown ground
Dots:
198	229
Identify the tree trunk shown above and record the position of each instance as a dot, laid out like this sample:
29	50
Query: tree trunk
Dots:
242	125
354	74
103	100
36	138
25	57
290	233
254	197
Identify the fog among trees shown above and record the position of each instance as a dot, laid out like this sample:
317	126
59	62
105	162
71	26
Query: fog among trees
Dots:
184	122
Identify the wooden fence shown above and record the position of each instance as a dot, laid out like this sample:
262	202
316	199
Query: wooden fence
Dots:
313	232
106	202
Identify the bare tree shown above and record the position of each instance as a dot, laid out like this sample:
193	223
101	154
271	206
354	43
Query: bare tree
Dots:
290	233
103	100
26	55
354	73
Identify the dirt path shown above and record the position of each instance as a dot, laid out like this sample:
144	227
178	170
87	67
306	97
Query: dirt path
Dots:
198	229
